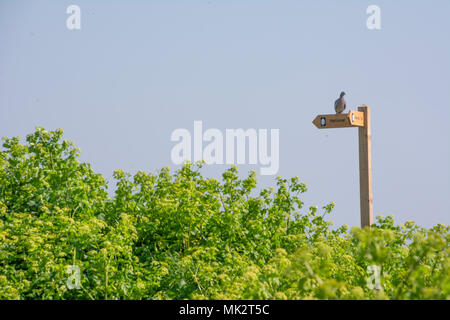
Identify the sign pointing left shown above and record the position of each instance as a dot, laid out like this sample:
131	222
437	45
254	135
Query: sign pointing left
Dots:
342	120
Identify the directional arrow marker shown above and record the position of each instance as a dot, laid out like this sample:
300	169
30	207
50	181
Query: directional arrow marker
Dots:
343	120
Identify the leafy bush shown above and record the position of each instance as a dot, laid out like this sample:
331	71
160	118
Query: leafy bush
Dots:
180	235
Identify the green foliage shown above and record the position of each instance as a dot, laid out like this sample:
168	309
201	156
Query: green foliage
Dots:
180	235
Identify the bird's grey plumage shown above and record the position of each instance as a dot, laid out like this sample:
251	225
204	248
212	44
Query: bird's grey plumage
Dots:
340	104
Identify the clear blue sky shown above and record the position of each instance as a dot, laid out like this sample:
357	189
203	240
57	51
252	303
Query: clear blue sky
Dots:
137	70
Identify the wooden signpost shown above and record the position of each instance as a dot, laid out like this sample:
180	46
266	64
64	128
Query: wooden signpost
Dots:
360	119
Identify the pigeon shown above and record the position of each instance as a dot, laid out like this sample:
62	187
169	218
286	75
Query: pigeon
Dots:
339	104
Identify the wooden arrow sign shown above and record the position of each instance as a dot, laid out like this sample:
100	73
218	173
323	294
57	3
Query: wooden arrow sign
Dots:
361	119
343	120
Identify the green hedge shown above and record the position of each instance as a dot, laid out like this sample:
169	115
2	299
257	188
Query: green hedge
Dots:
180	235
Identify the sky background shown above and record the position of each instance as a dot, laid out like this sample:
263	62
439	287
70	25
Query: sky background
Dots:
138	70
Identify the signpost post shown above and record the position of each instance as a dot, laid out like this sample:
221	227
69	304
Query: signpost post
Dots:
360	119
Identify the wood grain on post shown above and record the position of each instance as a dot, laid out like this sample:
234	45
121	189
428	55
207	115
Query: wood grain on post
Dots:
365	169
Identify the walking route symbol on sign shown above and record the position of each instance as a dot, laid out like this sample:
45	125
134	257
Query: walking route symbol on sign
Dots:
343	120
360	119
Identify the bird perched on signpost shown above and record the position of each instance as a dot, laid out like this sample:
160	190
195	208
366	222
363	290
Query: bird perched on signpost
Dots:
339	104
